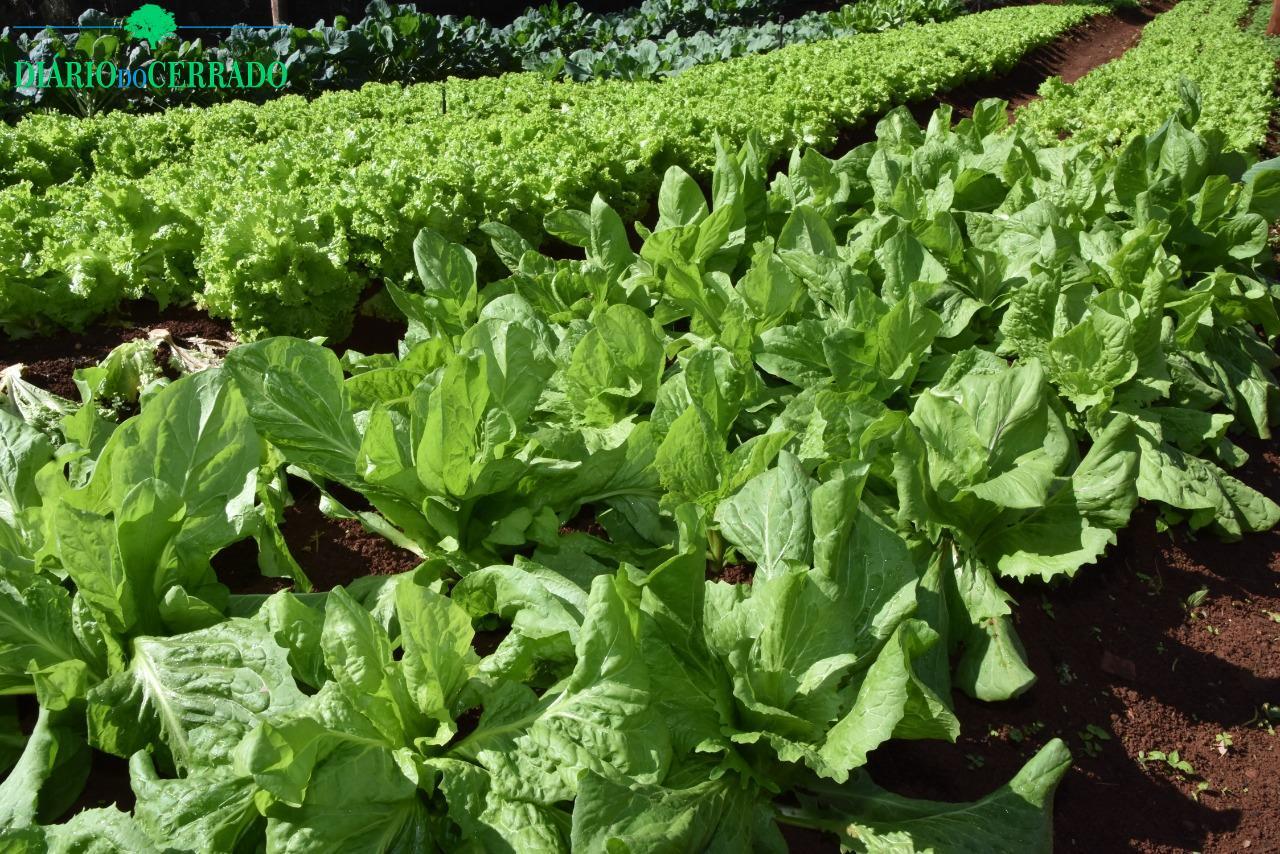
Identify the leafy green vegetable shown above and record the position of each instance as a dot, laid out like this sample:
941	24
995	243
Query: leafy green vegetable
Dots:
1201	42
885	389
1010	819
397	43
293	209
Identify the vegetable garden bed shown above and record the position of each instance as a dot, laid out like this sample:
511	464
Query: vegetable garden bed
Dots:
680	541
1120	650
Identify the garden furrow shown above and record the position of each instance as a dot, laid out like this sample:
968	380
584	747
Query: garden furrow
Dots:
1069	57
1199	43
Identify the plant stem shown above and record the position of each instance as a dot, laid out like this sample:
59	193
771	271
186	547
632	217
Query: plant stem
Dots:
715	543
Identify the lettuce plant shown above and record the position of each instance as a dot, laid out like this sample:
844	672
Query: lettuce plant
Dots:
245	208
890	387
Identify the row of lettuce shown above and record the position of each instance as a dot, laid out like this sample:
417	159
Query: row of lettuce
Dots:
243	206
1198	40
397	43
46	149
891	383
278	216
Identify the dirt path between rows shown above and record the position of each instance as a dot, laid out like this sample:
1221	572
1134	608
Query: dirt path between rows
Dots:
1094	43
1070	56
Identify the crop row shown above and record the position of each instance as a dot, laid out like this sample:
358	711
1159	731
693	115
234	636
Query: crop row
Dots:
1197	40
391	42
675	53
395	43
279	216
890	384
45	148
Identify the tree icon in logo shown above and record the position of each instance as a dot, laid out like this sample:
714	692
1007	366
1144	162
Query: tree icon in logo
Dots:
150	23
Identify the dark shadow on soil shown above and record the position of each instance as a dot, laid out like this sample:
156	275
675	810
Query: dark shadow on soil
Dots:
330	551
1120	649
108	785
107	782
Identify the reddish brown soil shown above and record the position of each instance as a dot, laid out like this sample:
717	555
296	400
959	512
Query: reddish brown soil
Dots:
237	567
734	573
330	551
1119	649
337	551
1095	43
49	362
584	522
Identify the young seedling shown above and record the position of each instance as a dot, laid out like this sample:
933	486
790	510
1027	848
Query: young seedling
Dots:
1270	716
1091	737
1195	600
1173	759
1019	734
1224	742
1182	768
